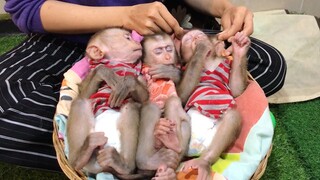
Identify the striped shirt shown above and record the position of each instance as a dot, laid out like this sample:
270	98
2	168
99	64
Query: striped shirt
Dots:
100	98
212	96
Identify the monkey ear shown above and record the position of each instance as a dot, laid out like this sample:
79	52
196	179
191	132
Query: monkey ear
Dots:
94	52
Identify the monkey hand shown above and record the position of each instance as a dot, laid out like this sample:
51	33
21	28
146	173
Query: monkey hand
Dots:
240	45
165	71
163	127
203	48
203	167
109	159
93	141
121	89
92	82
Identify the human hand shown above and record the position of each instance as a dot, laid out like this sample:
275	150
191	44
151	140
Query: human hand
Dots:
203	166
165	71
236	19
151	18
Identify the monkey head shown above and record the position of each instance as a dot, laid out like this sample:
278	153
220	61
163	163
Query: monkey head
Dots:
116	44
192	38
159	49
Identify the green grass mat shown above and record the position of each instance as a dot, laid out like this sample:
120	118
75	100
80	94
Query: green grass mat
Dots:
295	153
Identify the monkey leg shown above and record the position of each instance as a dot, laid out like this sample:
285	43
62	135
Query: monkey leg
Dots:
150	114
79	126
128	126
118	155
229	128
169	140
175	113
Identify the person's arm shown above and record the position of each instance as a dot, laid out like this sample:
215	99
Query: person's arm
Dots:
61	17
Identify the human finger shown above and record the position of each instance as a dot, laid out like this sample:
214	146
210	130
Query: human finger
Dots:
226	24
248	24
235	27
151	27
172	22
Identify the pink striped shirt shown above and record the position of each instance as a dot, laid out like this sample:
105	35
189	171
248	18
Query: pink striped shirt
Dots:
212	96
100	98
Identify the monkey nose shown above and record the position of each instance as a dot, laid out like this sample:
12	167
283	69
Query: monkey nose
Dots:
167	56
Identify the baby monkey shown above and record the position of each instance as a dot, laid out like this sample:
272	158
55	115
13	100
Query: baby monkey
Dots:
164	128
209	85
100	138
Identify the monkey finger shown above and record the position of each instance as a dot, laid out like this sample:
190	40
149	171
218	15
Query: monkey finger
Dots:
122	95
229	50
111	100
160	132
164	129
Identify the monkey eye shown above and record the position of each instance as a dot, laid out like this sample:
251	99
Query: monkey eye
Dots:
169	48
128	36
157	51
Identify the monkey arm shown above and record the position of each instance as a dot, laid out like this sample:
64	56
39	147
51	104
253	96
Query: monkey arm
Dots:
166	71
139	92
92	82
191	75
238	76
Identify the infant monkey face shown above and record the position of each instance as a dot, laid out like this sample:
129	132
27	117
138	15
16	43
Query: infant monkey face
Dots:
189	42
123	46
160	50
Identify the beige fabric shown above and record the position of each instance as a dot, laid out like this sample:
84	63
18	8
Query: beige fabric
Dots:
297	37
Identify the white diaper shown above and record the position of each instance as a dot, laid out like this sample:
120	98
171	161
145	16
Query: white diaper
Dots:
203	130
107	122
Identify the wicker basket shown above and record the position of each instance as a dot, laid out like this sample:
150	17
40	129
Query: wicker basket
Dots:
78	175
62	160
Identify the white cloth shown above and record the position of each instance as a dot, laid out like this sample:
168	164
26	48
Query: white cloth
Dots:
297	37
107	122
203	129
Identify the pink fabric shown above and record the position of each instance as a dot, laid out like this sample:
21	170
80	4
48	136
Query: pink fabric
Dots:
136	36
81	68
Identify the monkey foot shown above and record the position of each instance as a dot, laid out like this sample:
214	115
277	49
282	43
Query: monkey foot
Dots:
164	172
158	143
170	141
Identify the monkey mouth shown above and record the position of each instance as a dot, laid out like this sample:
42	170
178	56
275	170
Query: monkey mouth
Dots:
138	49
